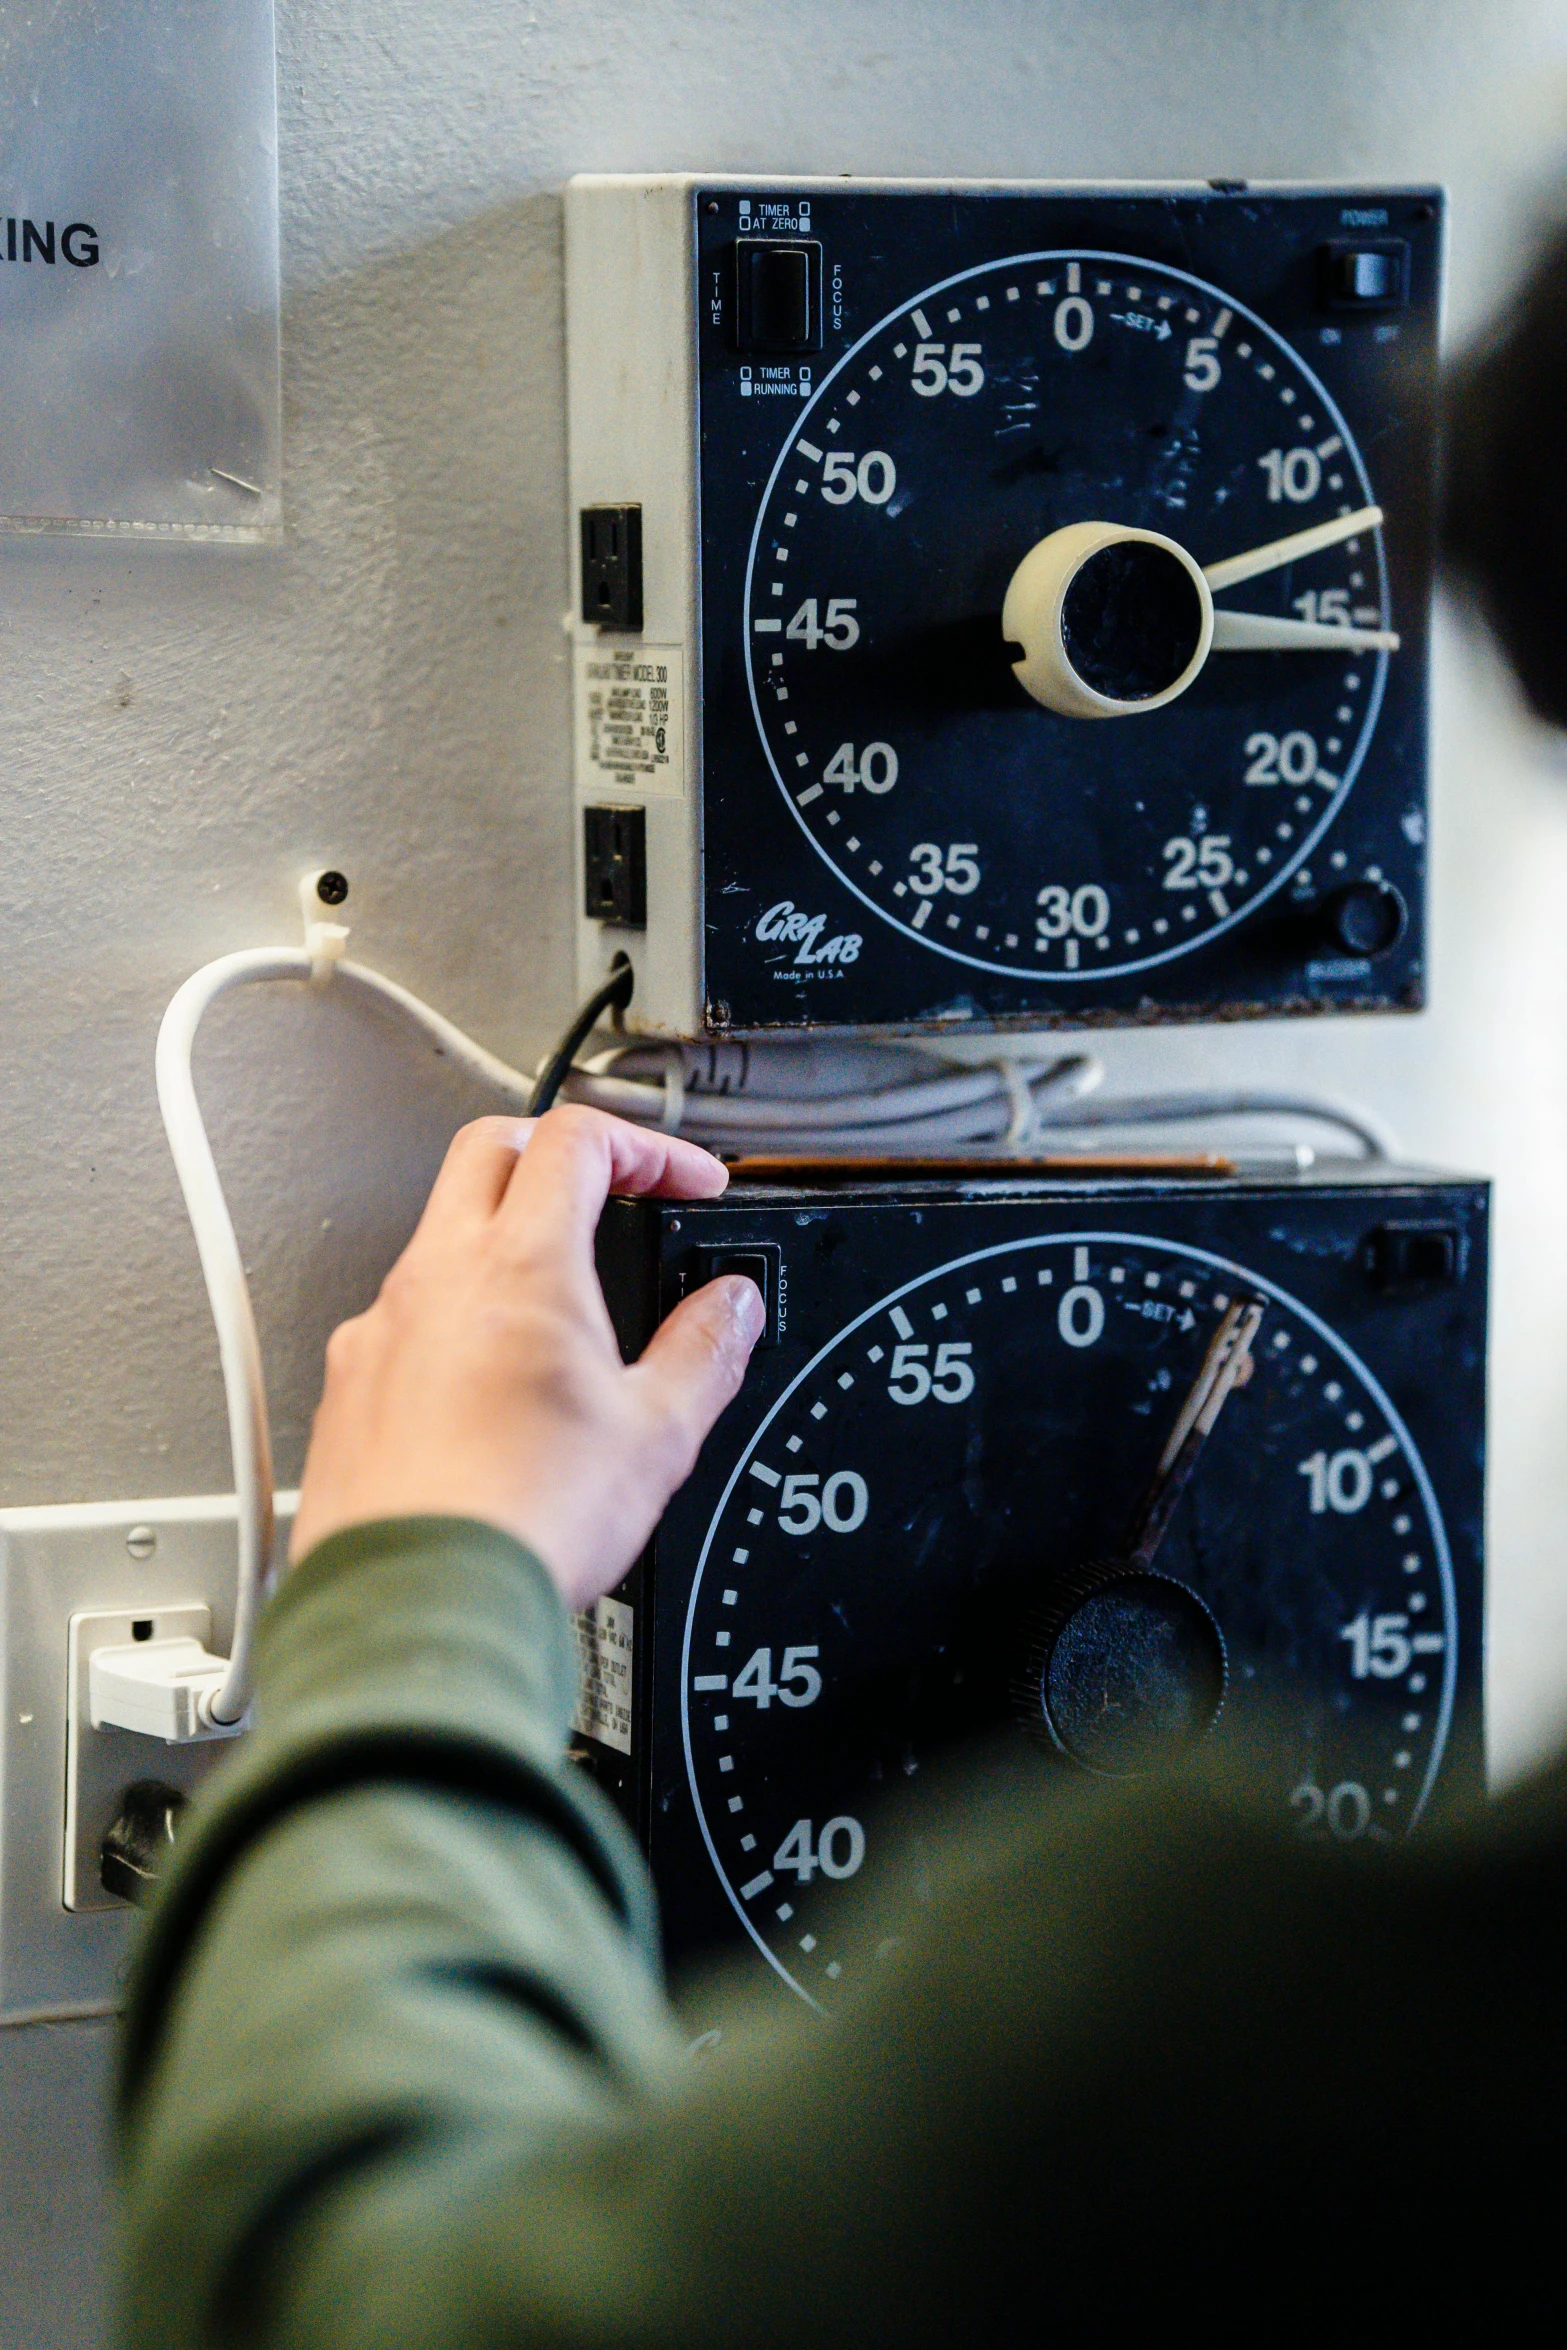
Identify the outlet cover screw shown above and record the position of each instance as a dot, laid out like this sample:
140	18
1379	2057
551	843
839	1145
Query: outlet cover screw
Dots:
141	1541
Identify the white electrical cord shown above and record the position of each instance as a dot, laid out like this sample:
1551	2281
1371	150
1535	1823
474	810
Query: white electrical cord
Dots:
730	1096
733	1105
239	1349
228	1292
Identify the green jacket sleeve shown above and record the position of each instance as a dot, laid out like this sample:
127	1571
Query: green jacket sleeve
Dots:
399	2074
399	1917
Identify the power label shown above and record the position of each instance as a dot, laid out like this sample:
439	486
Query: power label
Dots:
604	1646
631	717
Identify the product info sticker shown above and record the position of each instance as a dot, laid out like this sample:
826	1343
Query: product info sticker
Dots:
605	1652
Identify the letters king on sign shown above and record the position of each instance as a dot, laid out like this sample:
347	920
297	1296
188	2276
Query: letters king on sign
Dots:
77	243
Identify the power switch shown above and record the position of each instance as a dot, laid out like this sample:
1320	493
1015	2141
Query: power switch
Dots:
760	1261
1363	276
778	294
1404	1258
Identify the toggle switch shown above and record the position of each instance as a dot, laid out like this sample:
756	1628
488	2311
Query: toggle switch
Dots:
1363	276
761	1262
1405	1257
778	294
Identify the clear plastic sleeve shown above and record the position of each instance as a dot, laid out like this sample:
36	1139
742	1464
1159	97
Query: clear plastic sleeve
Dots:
139	375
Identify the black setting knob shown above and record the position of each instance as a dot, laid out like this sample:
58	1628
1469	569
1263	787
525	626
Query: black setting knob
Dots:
136	1849
1365	918
1125	1672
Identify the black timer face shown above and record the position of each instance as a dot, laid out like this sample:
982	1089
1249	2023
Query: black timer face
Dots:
1044	391
860	1602
1064	617
927	1521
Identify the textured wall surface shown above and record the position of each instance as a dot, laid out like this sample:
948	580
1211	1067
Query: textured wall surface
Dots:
182	731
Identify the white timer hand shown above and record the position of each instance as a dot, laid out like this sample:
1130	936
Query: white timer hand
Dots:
1278	552
1035	615
1261	632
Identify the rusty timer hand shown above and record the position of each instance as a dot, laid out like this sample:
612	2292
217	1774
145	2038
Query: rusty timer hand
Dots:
1125	1666
1226	1365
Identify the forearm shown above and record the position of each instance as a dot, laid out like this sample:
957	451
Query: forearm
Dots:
401	1924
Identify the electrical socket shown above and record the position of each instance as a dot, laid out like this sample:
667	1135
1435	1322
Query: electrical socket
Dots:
61	1566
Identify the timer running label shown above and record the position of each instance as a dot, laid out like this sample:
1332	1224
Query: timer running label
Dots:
631	716
604	1647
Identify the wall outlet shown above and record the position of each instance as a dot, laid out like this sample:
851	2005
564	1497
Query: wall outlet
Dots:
73	1578
101	1764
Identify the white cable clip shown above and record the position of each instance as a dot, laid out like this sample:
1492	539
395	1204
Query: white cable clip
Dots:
326	942
674	1089
1023	1129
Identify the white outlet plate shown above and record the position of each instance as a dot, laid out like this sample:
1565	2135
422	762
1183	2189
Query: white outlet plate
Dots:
55	1563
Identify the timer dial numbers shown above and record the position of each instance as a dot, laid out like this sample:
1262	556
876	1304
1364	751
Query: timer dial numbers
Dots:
1171	512
863	1597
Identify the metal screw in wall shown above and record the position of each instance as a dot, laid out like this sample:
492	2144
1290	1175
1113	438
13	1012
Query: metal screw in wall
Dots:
141	1541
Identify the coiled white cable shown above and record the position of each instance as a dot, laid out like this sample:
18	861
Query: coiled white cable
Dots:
821	1094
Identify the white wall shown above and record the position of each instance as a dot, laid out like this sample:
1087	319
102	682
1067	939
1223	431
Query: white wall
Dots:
180	731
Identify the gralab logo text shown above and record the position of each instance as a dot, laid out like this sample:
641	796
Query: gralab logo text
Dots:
802	931
27	241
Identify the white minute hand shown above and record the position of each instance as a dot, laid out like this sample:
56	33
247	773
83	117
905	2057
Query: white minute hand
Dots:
1262	632
1278	552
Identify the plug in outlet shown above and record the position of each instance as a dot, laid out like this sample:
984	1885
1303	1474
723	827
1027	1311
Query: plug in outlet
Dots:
74	1579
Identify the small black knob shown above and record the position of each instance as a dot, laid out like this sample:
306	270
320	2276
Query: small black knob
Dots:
1365	918
1125	1669
136	1848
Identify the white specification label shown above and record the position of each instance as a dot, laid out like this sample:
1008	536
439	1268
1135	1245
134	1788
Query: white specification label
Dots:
603	1709
631	717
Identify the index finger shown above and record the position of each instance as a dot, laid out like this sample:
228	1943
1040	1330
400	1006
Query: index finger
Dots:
474	1174
575	1157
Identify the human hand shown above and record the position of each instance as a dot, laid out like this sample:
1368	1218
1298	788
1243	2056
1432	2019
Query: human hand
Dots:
486	1382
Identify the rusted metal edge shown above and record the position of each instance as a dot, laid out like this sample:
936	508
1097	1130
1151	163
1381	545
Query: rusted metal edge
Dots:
862	1166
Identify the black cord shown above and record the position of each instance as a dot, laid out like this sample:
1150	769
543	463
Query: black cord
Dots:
616	993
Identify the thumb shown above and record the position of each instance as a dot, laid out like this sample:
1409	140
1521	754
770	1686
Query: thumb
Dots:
694	1363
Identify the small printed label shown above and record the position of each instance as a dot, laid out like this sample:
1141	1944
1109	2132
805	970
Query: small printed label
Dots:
1337	967
774	216
604	1645
630	717
756	383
